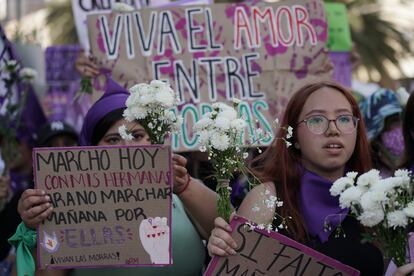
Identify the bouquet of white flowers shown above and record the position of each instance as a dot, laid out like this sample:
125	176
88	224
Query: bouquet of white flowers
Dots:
384	204
151	105
220	134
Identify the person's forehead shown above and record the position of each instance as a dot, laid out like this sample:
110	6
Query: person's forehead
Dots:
327	99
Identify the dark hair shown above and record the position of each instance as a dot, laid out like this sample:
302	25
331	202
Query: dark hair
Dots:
280	164
105	123
408	131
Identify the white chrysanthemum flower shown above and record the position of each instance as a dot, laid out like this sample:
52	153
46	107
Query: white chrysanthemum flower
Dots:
340	185
28	73
140	89
372	217
159	85
220	141
409	210
122	7
373	200
351	175
125	134
165	98
368	178
138	112
229	113
146	99
238	124
132	100
350	196
402	173
203	124
288	144
397	218
204	137
222	123
220	106
245	155
128	116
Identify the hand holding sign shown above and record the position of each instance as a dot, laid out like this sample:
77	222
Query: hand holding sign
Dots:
262	252
220	242
154	236
34	206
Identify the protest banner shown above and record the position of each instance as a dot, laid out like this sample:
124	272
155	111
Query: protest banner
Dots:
82	8
269	253
112	206
259	54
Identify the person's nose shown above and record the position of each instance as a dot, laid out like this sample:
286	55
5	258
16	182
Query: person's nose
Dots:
332	128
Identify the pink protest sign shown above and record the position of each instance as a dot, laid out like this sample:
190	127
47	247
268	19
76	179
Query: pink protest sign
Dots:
269	253
112	206
259	53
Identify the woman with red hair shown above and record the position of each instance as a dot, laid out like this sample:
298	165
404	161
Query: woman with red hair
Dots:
328	141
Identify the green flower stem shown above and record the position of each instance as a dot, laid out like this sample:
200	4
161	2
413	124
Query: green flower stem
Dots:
86	85
223	200
395	245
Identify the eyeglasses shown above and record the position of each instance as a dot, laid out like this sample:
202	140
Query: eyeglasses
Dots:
319	124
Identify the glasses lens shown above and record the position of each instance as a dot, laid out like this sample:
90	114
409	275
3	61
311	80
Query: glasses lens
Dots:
317	124
346	123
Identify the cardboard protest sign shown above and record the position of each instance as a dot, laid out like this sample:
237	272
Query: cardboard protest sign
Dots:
112	206
339	38
82	8
259	54
270	253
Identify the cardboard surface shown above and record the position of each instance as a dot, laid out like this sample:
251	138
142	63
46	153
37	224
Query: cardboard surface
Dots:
112	206
270	253
259	54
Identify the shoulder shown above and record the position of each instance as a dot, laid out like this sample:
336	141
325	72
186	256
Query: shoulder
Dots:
259	205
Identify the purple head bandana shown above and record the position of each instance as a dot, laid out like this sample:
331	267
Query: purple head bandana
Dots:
114	98
318	206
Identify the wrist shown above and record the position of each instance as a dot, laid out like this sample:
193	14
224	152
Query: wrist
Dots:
185	186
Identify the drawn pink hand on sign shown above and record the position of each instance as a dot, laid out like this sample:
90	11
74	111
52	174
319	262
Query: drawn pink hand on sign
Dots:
154	234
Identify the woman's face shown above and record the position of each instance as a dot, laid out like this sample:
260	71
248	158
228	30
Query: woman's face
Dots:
112	136
325	154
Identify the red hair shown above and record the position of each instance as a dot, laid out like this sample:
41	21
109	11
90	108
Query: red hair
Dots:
280	164
408	129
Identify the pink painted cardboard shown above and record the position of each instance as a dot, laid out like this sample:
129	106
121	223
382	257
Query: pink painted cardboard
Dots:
270	253
107	227
255	51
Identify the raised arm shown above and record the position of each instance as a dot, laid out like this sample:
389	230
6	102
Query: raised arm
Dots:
198	199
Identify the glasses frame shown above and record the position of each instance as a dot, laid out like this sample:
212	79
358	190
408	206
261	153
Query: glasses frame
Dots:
355	119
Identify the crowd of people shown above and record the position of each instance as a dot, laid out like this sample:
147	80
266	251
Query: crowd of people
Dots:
332	135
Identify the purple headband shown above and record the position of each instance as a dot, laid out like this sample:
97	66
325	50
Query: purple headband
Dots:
113	98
